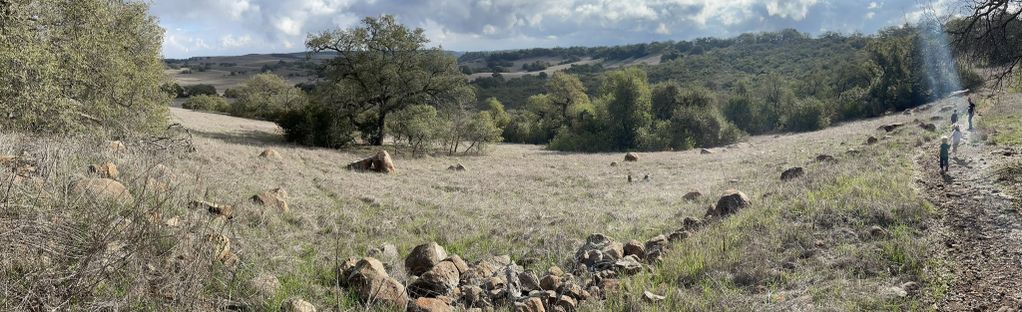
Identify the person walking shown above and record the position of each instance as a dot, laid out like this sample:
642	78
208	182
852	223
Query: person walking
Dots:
944	162
954	117
956	139
972	111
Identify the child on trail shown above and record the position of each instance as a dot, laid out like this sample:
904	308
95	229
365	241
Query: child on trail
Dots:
972	111
956	138
944	147
954	117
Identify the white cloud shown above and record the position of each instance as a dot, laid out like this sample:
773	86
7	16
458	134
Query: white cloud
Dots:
230	42
662	29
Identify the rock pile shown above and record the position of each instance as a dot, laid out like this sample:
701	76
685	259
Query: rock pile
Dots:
443	282
631	157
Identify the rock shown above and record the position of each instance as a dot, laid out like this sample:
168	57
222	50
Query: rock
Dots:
635	248
705	151
424	257
344	270
532	304
555	271
871	140
429	305
910	287
550	282
692	195
853	152
574	291
599	250
486	268
894	291
381	163
651	297
631	157
825	158
877	232
678	236
105	170
116	146
441	280
103	189
890	127
628	265
458	167
265	284
474	297
567	303
272	198
529	281
221	246
793	173
613	164
297	305
656	247
730	203
270	153
226	211
372	284
928	127
459	263
690	223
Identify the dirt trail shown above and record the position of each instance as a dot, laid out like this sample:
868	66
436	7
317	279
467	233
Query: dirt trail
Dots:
982	229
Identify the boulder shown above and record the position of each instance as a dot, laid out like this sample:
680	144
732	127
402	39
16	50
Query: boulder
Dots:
825	158
613	164
550	282
567	303
270	153
441	280
635	248
424	257
692	195
656	247
221	246
678	236
890	127
381	162
730	203
344	270
871	140
265	284
705	152
598	250
226	211
690	223
103	189
532	304
631	156
651	297
386	253
459	263
429	305
628	265
105	170
371	283
297	305
793	173
457	167
272	198
529	281
473	296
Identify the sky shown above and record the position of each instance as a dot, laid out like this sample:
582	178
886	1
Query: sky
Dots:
237	27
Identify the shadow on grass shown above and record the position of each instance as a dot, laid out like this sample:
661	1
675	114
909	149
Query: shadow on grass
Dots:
247	137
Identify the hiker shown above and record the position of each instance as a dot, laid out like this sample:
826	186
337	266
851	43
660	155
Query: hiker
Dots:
956	138
972	111
944	147
954	117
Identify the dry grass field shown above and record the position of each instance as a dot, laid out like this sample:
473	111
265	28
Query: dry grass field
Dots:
808	244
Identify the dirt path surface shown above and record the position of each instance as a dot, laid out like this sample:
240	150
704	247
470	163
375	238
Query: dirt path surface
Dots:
983	231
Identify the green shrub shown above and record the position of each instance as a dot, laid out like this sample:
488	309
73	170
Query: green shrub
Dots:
200	89
807	115
206	103
266	96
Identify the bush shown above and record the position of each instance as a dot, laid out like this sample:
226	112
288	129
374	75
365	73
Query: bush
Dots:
200	89
694	126
206	103
807	115
316	125
74	66
268	97
970	79
418	125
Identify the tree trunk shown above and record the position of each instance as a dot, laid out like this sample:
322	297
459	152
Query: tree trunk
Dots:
381	132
